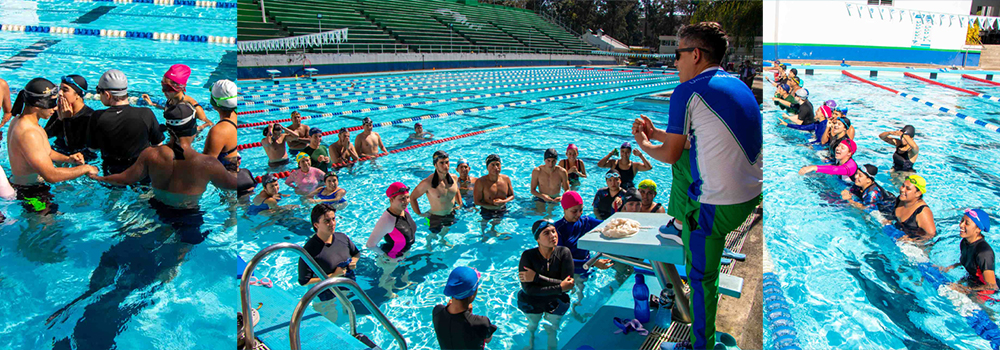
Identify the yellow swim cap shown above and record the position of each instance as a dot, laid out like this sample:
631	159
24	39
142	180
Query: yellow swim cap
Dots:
647	184
919	182
300	156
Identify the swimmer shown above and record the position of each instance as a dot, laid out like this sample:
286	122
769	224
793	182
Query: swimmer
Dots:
871	195
906	148
605	198
335	254
466	183
221	140
268	198
631	202
419	134
454	324
919	222
546	276
443	194
5	106
174	86
297	134
824	113
179	174
31	158
840	113
624	165
70	128
976	256
305	178
836	133
574	167
245	182
121	132
845	166
548	181
647	191
492	193
343	150
805	115
369	143
397	232
274	145
330	192
793	80
784	99
571	228
316	151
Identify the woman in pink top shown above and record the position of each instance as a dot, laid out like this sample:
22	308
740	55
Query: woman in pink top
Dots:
845	163
306	178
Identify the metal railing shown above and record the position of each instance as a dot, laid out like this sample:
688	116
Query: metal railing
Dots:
430	48
333	284
245	291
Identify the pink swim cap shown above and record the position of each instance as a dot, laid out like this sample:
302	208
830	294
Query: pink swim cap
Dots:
827	112
571	146
571	199
178	74
397	188
851	146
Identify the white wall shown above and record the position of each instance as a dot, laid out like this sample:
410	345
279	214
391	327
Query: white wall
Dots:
828	22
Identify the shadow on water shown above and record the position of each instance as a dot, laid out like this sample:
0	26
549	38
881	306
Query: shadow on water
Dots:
419	266
144	260
989	181
897	304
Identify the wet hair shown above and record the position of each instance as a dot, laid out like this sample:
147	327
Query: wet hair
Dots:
435	180
319	210
707	36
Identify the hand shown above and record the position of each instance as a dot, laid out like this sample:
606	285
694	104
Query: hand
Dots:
637	153
324	159
604	264
640	138
846	195
77	158
91	170
807	169
617	203
526	276
353	265
425	214
897	133
557	199
567	283
65	109
782	122
775	99
647	125
546	197
145	97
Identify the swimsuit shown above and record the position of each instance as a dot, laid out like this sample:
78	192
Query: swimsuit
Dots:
255	209
36	198
603	201
395	232
901	160
491	214
244	183
910	226
437	222
225	154
331	196
627	176
656	208
573	177
185	221
544	294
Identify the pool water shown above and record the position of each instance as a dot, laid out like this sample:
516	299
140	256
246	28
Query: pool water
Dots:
848	284
137	287
596	124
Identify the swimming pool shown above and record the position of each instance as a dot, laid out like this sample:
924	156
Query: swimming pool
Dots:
848	284
596	123
139	289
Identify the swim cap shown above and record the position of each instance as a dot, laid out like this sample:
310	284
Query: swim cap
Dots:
846	121
114	82
438	155
851	146
919	182
626	145
463	161
551	153
268	178
830	103
908	130
417	124
180	120
571	199
462	282
794	71
300	156
539	226
39	92
314	130
631	195
647	184
178	74
366	120
869	170
980	218
612	173
784	86
827	112
802	93
492	158
842	110
76	82
224	94
571	146
395	189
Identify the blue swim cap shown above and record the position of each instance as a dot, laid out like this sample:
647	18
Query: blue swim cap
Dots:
842	110
463	161
785	87
462	282
980	218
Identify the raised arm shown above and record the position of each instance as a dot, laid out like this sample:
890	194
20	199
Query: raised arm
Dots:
645	166
604	163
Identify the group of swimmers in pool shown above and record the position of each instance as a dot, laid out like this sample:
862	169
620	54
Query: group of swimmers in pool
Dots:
131	143
907	212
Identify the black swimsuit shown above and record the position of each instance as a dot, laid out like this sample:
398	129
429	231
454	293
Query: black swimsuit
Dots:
910	226
901	160
225	154
656	207
627	176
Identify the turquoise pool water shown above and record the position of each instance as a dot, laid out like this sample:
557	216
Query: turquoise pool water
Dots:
596	124
137	287
848	284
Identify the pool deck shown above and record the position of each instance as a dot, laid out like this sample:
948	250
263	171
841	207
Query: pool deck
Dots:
743	317
883	67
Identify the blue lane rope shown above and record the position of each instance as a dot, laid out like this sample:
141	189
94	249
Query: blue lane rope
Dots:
113	33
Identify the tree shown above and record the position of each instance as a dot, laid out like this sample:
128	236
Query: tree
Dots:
742	20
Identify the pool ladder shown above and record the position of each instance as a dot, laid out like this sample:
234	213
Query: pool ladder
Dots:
332	284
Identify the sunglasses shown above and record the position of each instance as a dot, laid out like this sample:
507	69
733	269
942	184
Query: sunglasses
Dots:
677	52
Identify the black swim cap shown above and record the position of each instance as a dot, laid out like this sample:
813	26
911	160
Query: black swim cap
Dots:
909	130
366	120
869	170
847	122
76	82
438	155
632	195
39	92
180	120
551	153
492	158
268	178
539	226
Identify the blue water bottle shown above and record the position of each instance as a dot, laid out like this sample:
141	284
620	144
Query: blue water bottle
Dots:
666	304
641	295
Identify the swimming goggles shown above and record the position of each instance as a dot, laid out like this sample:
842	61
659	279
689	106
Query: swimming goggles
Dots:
69	81
611	175
400	191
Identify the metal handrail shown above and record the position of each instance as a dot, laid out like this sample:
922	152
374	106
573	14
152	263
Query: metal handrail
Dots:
332	284
245	287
